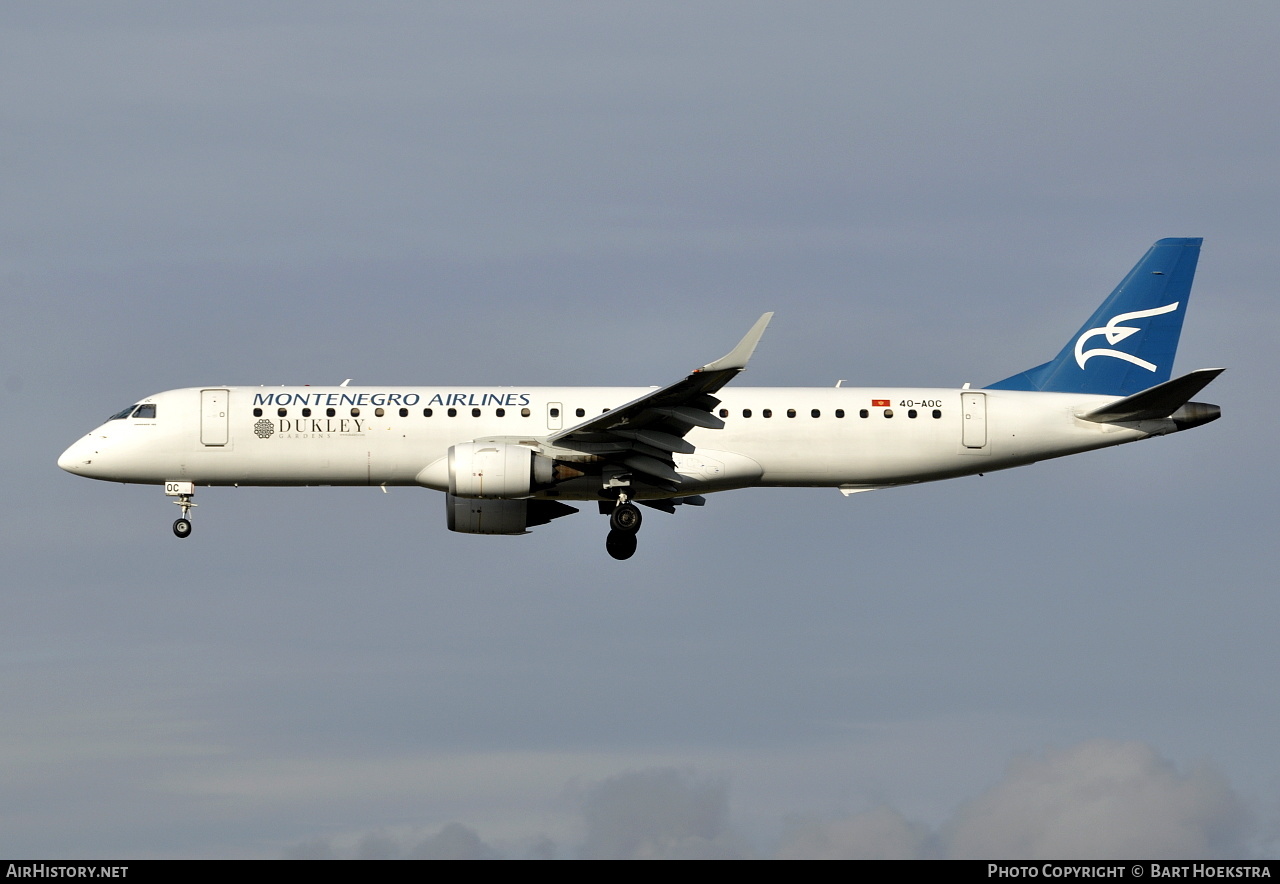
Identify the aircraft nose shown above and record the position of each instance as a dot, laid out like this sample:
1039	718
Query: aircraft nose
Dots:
76	458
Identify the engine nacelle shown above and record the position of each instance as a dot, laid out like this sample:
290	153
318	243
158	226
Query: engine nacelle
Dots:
497	470
473	515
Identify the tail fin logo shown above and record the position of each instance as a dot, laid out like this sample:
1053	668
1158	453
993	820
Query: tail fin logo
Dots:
1115	333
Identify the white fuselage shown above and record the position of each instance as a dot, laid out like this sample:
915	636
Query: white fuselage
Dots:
773	436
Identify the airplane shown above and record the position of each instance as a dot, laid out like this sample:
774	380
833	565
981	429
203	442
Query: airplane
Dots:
507	458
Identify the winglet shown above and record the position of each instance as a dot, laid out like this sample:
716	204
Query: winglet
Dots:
736	359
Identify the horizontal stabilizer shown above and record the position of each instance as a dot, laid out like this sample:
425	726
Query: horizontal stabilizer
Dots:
1157	402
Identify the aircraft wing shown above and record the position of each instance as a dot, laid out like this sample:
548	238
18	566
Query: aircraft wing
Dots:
643	434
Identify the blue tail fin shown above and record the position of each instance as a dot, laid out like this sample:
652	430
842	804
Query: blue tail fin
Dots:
1145	312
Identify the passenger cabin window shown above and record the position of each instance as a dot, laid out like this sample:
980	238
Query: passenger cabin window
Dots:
580	412
839	412
257	412
306	412
329	412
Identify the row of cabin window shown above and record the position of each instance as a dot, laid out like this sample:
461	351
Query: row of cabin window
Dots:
426	412
404	412
791	412
555	412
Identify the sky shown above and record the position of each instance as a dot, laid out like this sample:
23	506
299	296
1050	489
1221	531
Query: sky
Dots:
1074	659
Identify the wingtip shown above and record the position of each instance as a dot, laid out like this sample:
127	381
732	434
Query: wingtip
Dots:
737	358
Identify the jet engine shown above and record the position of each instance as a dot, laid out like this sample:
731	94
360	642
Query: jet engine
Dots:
497	470
476	516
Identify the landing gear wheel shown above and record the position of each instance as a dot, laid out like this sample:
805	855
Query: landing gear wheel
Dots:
625	519
621	544
183	491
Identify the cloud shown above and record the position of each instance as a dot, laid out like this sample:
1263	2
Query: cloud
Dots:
1101	800
375	846
454	841
659	814
882	833
315	849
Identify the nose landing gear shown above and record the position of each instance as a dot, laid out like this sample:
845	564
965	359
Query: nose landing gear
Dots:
184	492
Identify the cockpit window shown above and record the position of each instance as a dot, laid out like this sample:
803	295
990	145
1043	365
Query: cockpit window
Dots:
145	412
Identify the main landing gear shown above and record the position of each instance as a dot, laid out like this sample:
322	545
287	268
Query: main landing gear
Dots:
184	492
625	518
624	522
